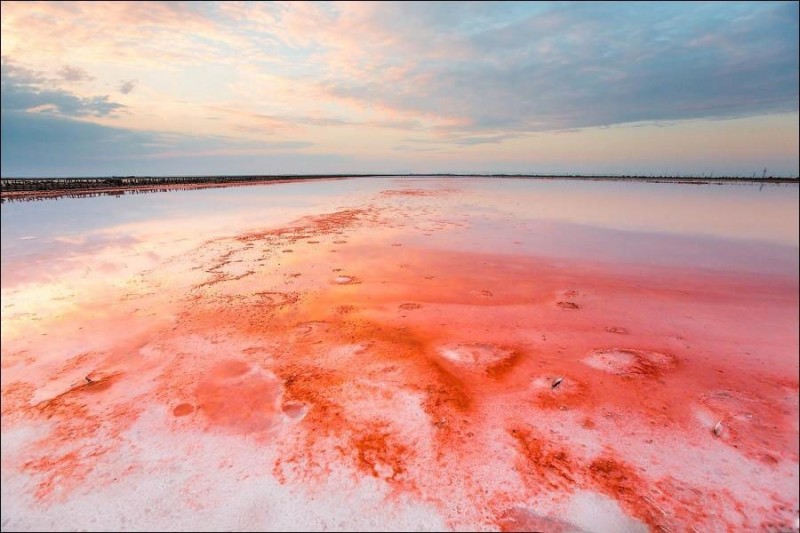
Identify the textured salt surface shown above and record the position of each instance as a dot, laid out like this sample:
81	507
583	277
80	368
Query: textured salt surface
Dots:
396	371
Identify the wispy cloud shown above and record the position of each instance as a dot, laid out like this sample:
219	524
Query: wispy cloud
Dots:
525	67
70	73
25	89
584	65
128	86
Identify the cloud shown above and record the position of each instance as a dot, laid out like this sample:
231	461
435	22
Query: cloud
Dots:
25	89
579	65
70	73
21	75
418	144
471	77
46	132
39	144
128	86
157	35
477	67
45	144
261	122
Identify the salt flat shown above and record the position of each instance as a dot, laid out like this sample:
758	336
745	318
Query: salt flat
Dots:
367	354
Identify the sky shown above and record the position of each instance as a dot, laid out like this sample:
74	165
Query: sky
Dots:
198	88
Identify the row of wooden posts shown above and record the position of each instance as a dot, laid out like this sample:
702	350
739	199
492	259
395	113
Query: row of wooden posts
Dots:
57	184
51	184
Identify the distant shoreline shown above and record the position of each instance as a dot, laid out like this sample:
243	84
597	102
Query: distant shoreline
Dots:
41	188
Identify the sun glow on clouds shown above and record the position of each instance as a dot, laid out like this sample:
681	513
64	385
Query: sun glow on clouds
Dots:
355	87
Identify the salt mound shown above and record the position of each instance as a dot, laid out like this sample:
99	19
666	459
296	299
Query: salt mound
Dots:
629	362
346	280
612	361
239	398
474	354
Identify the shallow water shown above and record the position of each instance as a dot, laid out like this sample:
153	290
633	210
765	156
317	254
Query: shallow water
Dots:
380	353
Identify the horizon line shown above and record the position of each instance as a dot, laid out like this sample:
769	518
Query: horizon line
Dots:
710	176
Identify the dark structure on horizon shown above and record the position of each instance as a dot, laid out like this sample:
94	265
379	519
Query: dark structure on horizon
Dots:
36	188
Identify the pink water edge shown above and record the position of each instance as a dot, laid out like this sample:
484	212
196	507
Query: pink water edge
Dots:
424	356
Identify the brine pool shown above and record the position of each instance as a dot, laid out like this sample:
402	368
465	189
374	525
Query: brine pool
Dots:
403	354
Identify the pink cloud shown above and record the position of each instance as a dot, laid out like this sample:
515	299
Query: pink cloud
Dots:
156	34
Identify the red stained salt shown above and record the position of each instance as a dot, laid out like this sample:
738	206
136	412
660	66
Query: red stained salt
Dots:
183	409
235	400
645	351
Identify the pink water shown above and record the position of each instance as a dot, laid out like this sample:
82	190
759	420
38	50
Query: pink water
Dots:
381	354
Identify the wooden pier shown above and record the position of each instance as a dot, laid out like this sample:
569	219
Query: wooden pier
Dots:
14	189
122	182
27	189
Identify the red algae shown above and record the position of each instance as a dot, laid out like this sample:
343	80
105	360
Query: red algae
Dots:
495	387
544	464
379	455
619	481
80	437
